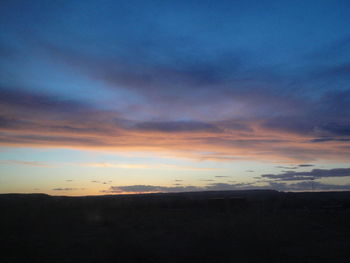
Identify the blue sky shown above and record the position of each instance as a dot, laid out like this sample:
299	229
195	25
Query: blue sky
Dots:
144	92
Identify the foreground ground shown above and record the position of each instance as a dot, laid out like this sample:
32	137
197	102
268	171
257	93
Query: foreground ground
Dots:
240	226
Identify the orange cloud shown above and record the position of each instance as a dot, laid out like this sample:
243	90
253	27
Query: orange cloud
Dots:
146	166
43	122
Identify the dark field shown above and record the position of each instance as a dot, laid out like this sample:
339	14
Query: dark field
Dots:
239	226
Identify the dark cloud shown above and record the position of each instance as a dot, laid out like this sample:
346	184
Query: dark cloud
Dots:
315	173
336	49
329	139
306	165
150	188
101	182
42	120
36	113
324	139
290	124
51	140
27	163
7	51
326	118
153	188
207	180
342	70
235	125
66	189
19	98
225	186
177	126
187	86
336	129
334	102
287	167
307	186
280	186
149	77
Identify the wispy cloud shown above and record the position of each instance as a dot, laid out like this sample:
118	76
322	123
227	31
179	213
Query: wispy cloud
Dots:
287	167
63	189
147	166
115	165
28	163
38	120
306	165
313	174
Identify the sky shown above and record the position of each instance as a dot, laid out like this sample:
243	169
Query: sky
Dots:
114	97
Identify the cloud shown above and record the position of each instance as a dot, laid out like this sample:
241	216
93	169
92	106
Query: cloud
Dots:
342	70
101	182
280	186
28	163
308	186
149	78
147	166
66	189
329	139
19	100
39	120
313	174
149	189
287	167
177	126
179	87
189	188
207	180
227	187
117	165
333	128
306	165
177	91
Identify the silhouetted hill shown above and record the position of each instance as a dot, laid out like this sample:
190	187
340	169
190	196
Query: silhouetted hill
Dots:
229	226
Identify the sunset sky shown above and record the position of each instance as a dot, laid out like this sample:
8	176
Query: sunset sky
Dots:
104	97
